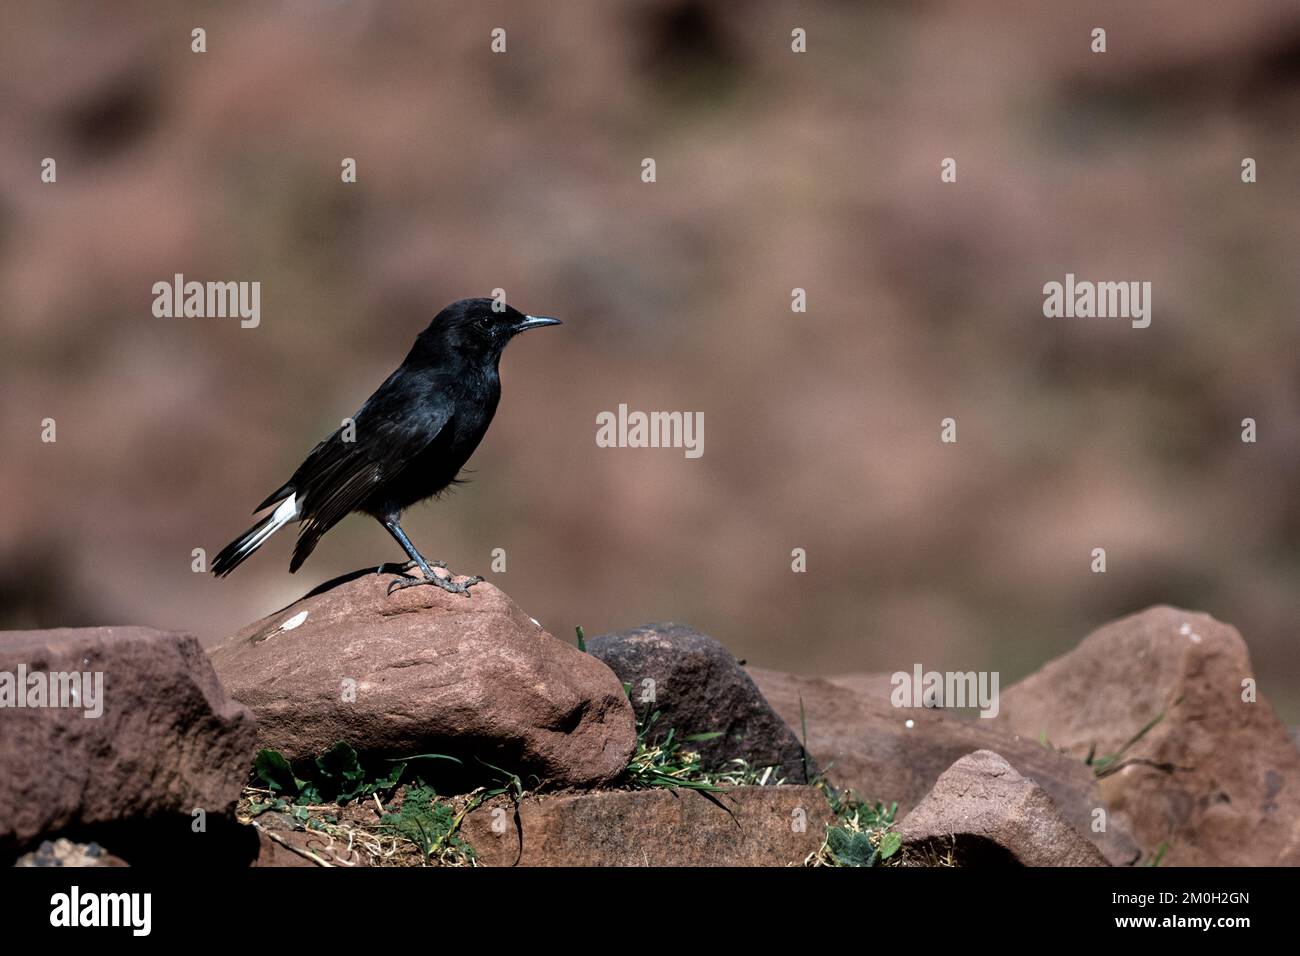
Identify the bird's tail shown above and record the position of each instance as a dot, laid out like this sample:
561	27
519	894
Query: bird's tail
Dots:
233	554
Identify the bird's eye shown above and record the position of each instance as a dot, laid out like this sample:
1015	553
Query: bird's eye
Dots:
483	324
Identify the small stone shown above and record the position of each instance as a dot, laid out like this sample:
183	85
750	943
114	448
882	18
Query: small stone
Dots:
698	688
980	800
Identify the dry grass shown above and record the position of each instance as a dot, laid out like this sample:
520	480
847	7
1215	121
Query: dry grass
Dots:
356	834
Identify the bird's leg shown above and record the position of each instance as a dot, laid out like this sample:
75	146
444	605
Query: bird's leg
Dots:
417	560
411	564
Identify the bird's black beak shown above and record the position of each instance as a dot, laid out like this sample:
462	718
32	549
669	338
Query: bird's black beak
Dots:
535	322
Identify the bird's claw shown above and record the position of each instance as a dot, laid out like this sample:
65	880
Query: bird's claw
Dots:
447	584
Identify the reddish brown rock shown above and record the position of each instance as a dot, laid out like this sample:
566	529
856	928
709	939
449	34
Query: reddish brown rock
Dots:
753	826
980	800
272	851
697	687
870	747
168	740
425	671
1216	779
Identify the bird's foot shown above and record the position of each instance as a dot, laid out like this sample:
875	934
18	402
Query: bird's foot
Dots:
446	583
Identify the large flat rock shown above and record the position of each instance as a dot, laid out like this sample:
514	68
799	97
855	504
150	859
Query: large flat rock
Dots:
746	826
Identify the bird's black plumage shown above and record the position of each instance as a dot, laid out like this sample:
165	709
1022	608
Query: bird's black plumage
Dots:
408	441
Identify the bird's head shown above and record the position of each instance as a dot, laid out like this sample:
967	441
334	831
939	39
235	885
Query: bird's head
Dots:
481	326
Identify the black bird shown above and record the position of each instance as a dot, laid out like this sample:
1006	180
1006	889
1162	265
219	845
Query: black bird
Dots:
407	443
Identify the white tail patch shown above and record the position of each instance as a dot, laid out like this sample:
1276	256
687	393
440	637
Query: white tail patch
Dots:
284	513
287	511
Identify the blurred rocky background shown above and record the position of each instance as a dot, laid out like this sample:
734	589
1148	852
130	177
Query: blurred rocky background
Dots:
775	171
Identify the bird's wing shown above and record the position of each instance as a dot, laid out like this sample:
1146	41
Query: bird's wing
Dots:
338	476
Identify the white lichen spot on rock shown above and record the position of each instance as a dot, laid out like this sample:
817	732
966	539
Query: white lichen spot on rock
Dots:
294	621
1186	631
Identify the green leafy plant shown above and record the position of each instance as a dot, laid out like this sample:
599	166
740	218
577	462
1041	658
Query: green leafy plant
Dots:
850	847
336	776
860	834
428	823
306	790
275	773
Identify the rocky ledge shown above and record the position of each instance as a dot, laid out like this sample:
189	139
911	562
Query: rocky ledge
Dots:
354	728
